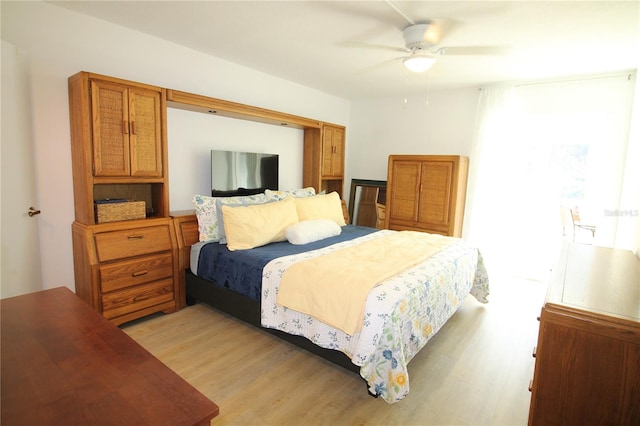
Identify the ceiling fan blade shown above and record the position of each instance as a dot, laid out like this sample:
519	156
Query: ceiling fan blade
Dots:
473	50
400	12
379	65
365	45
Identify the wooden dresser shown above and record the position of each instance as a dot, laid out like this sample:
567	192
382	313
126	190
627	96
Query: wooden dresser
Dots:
587	366
426	193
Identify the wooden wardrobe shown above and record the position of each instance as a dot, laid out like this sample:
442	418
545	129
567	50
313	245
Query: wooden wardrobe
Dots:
426	193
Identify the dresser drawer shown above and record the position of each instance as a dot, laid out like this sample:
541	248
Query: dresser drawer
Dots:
131	299
132	242
134	272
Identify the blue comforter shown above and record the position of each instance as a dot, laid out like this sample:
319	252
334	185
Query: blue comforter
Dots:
241	270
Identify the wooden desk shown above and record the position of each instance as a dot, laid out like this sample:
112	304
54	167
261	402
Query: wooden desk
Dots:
65	364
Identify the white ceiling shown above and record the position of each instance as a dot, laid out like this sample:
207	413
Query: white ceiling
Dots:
311	42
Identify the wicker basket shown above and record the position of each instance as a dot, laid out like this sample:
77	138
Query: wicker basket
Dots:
127	210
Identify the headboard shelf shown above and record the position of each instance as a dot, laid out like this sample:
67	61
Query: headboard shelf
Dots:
207	105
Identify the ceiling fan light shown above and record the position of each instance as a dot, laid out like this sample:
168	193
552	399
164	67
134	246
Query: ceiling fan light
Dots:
419	63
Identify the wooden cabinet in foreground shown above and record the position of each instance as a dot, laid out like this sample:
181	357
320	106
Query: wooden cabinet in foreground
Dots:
587	362
426	193
124	244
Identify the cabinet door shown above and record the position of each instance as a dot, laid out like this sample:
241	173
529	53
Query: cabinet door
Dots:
127	138
110	111
145	134
436	182
404	184
338	152
332	152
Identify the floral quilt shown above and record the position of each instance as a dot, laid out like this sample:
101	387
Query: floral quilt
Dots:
401	313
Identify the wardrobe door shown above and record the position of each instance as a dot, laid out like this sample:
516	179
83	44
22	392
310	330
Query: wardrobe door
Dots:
436	186
404	184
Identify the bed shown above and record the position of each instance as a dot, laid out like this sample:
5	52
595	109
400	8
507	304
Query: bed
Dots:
398	315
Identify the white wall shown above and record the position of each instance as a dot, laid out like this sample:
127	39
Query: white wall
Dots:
189	169
61	43
387	126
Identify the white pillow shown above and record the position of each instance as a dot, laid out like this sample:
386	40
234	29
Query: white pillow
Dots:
309	231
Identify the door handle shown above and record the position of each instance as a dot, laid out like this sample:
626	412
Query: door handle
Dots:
33	211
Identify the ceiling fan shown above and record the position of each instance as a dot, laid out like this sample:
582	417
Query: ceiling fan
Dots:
422	43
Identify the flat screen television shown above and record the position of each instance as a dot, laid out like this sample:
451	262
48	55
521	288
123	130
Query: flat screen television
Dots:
242	173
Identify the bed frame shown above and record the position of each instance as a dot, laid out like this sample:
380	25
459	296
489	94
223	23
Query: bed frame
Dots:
248	310
196	289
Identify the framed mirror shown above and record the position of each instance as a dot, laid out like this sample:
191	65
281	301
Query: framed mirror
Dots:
366	202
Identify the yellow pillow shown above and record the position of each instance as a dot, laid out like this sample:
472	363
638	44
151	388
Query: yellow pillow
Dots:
252	226
324	206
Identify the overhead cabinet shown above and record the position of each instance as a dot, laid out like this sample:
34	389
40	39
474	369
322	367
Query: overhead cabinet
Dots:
127	136
426	193
324	150
332	151
118	144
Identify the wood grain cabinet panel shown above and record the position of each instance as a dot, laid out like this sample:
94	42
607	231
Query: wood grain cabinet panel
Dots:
129	273
132	242
127	269
587	362
137	298
324	156
127	138
426	193
332	151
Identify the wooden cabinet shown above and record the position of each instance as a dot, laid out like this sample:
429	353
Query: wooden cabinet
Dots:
127	136
323	164
426	193
332	151
118	144
127	269
124	269
587	361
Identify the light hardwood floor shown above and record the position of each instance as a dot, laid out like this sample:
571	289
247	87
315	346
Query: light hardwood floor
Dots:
475	371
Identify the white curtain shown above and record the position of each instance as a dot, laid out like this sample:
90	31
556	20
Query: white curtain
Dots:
540	146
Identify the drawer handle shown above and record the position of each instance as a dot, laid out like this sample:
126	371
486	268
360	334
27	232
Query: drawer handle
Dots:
135	237
535	350
530	385
139	273
141	297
